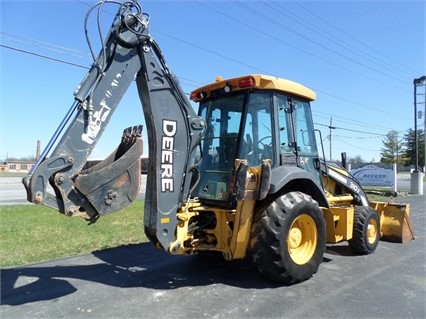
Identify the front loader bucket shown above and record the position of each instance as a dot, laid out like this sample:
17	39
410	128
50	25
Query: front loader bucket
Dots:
395	223
115	182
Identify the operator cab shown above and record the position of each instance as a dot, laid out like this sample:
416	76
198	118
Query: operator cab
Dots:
253	118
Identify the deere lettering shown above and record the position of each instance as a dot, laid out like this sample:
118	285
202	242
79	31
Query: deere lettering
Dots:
167	151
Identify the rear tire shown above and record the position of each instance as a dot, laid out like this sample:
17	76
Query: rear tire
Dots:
287	241
366	232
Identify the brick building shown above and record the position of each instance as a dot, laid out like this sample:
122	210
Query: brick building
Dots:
16	166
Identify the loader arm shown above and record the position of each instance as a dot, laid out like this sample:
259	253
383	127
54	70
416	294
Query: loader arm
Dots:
338	182
343	189
174	131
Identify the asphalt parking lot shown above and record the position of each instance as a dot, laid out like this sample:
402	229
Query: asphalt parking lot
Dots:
139	281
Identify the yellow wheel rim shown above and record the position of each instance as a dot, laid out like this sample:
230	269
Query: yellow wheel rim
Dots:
372	231
302	239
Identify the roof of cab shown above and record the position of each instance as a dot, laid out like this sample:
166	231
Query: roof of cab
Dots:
261	81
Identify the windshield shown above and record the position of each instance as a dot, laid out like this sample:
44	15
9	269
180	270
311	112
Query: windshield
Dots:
223	117
219	146
248	112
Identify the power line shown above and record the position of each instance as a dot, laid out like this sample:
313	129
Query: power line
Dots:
374	135
200	48
193	85
250	26
210	51
352	121
44	56
84	67
349	130
332	38
381	54
264	71
43	45
360	104
311	40
253	67
357	147
360	137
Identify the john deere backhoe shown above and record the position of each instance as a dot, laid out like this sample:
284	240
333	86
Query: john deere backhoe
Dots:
243	177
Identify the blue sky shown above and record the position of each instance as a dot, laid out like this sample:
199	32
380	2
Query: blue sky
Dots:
360	57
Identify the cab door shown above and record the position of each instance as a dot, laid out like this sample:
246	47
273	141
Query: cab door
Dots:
297	137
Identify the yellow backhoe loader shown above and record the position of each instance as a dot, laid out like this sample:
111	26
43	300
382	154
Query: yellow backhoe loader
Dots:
243	177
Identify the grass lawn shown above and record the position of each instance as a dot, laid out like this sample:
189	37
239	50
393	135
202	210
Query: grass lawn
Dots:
32	233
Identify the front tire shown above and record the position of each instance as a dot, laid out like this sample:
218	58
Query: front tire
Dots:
366	231
287	242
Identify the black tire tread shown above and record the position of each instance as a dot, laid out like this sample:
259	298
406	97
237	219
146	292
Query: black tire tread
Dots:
359	243
265	245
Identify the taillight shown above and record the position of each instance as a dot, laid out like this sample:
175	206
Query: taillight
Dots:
198	95
195	96
246	82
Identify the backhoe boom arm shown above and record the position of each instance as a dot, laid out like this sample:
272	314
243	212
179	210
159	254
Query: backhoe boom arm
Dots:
174	131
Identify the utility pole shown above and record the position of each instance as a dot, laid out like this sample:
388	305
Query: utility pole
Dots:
422	95
417	82
416	176
331	127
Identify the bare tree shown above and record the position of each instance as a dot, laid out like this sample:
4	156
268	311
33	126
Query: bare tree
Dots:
357	159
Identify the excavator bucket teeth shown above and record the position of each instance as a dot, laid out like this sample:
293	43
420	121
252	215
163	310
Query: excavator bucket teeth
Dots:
115	182
395	223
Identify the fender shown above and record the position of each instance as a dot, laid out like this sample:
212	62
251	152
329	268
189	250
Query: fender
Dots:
297	179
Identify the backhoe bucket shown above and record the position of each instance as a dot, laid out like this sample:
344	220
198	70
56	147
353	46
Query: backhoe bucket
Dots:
395	223
115	182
